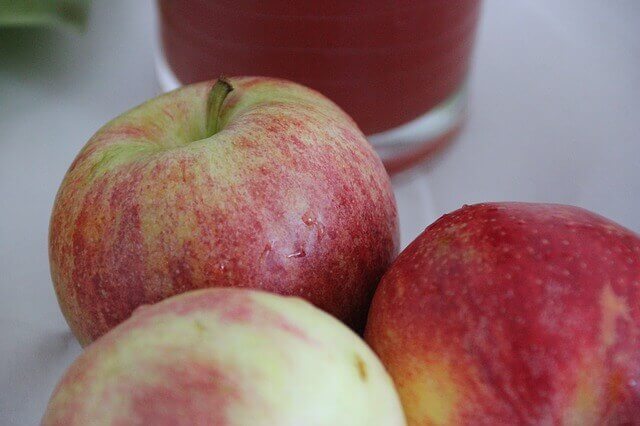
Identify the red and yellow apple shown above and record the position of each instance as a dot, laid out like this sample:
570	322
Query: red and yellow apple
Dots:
227	356
514	313
270	186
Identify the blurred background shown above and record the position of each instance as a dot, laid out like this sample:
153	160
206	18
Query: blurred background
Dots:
553	115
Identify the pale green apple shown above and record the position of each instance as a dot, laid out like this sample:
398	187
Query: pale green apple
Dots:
227	357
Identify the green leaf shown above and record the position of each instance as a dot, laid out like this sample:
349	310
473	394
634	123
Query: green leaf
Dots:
44	13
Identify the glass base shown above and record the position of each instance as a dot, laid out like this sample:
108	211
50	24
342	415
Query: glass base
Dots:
399	148
413	142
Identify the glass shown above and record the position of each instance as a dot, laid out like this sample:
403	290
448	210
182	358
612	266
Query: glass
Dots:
397	67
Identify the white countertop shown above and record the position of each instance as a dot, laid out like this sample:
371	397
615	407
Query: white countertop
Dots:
555	116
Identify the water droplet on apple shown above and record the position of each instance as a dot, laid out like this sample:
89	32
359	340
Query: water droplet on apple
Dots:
309	219
296	254
266	250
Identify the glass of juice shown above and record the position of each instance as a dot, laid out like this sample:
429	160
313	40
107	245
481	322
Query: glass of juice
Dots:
398	67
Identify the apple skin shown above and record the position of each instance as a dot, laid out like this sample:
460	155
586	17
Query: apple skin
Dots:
514	313
288	197
227	356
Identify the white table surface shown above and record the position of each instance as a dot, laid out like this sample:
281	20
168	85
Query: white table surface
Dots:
555	116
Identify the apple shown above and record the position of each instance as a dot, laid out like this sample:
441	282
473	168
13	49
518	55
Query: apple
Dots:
227	356
514	313
248	182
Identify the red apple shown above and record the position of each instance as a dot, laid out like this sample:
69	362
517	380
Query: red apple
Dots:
270	186
227	357
514	313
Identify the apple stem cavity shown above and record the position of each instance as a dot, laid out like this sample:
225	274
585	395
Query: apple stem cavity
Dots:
217	95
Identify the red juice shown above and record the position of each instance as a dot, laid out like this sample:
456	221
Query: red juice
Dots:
386	62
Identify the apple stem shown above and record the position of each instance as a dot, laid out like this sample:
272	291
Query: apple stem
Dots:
217	95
